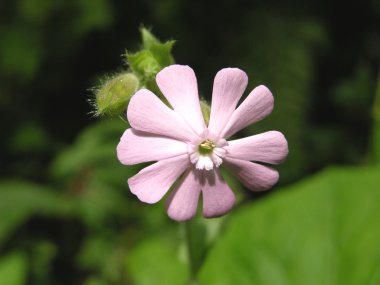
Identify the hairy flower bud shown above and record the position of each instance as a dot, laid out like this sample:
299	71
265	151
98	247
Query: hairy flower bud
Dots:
113	97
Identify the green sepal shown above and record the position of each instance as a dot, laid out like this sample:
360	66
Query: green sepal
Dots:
162	52
153	57
206	110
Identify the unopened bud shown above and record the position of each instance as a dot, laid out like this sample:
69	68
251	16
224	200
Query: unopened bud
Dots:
113	97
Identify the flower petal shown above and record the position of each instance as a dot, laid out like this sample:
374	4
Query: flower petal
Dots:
183	201
218	198
254	176
229	85
138	147
254	108
152	183
149	114
178	83
269	147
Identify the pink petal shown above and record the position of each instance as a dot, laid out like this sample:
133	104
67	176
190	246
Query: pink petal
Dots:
254	176
218	198
254	108
138	147
152	183
269	147
179	85
183	201
229	85
149	114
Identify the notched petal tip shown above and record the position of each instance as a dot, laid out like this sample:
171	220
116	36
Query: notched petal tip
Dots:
153	182
182	202
283	146
174	215
255	177
266	96
216	213
133	184
258	104
232	72
168	70
218	198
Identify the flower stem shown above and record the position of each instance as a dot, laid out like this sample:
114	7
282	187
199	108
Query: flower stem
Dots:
195	235
190	255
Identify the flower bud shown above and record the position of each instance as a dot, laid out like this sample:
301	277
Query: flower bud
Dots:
113	97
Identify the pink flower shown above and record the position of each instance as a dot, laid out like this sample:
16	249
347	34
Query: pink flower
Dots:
187	149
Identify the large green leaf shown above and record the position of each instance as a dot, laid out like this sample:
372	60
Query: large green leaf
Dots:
93	151
324	230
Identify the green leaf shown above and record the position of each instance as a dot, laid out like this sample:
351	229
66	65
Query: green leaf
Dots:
324	230
43	252
13	269
20	200
157	260
99	202
94	149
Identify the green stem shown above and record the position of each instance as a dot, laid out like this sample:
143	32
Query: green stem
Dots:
189	248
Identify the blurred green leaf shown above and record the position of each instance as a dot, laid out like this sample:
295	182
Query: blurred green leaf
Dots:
20	51
36	11
157	260
13	269
94	281
94	149
97	202
43	253
20	200
91	14
94	252
30	137
324	230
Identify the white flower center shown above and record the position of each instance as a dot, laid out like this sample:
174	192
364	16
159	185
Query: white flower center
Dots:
207	151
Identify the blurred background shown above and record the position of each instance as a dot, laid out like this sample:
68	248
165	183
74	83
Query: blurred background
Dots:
66	214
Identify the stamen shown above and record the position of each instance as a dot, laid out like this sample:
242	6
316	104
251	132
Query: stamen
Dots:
206	147
207	153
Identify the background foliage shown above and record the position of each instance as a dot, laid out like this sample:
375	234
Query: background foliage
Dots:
67	216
